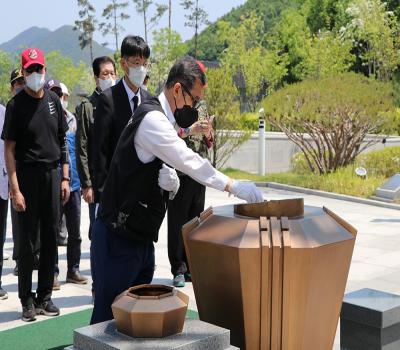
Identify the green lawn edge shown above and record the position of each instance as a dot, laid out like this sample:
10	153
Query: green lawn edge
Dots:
343	181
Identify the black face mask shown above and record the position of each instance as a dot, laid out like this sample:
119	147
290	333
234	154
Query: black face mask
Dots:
185	116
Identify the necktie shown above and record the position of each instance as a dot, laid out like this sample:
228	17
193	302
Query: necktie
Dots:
135	101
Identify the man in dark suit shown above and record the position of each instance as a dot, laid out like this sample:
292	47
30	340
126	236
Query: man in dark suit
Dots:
117	104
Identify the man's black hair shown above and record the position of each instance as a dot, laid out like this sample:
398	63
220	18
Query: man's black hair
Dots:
134	46
97	62
185	71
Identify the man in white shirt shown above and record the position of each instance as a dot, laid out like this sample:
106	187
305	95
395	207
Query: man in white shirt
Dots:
140	183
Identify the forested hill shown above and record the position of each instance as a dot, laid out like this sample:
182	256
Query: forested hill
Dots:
208	46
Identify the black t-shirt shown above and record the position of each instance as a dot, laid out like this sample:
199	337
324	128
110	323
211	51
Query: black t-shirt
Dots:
37	125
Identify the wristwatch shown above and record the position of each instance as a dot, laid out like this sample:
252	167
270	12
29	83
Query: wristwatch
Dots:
64	178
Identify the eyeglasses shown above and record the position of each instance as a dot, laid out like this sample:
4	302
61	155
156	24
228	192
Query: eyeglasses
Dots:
34	68
137	64
195	100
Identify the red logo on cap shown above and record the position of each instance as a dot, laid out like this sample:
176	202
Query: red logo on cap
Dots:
33	54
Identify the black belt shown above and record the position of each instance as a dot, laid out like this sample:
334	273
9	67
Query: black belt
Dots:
37	165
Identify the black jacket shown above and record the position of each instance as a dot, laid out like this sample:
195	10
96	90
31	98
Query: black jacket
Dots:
112	114
132	204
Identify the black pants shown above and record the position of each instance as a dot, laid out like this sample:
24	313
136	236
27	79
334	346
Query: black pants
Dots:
3	230
40	187
72	211
187	204
14	227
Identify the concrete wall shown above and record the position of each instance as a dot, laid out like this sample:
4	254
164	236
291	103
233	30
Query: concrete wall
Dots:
279	152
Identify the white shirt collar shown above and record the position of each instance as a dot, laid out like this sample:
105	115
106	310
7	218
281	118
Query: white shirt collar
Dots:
130	93
167	108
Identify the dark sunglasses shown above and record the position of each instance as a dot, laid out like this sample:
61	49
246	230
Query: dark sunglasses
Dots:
34	68
195	101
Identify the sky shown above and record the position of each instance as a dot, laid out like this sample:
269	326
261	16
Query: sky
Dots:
17	16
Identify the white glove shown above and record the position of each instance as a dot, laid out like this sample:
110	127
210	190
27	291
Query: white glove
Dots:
247	191
168	180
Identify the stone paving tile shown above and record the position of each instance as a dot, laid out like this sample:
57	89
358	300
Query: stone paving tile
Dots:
375	264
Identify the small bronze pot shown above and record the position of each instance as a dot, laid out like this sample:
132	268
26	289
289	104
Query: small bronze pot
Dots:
150	311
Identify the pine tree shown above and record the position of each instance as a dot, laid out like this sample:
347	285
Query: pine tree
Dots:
142	7
86	25
195	17
113	15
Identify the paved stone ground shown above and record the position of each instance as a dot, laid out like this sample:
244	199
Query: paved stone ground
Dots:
376	259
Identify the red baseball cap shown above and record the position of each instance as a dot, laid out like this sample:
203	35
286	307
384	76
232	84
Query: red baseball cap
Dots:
32	56
203	69
202	66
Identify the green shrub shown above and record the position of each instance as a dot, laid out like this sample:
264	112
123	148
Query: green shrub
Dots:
299	164
336	112
249	121
385	162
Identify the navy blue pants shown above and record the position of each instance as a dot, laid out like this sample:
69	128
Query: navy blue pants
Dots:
119	264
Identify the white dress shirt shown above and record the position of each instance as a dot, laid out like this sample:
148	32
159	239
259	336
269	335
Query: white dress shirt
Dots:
3	169
131	94
156	137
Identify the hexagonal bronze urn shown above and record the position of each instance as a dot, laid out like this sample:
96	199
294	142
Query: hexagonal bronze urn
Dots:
273	273
150	311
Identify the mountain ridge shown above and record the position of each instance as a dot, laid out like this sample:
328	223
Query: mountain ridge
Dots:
64	39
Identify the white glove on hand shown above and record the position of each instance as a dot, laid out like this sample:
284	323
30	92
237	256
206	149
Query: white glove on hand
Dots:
247	191
168	180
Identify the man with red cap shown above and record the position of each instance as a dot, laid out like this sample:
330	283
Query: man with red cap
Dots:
35	145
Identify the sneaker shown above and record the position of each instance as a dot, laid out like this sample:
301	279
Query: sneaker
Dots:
28	313
76	277
188	277
56	283
47	308
179	281
3	294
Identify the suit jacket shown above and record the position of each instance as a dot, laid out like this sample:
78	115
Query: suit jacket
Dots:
112	114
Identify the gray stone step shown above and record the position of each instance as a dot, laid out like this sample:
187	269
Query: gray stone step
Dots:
196	335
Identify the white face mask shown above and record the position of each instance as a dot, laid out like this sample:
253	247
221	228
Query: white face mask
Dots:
64	104
137	75
104	84
35	81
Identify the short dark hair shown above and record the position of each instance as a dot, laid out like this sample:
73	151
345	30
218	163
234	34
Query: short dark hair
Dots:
185	71
97	62
133	45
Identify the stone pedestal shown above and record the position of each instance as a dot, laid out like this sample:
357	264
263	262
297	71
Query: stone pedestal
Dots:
389	191
196	335
370	320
